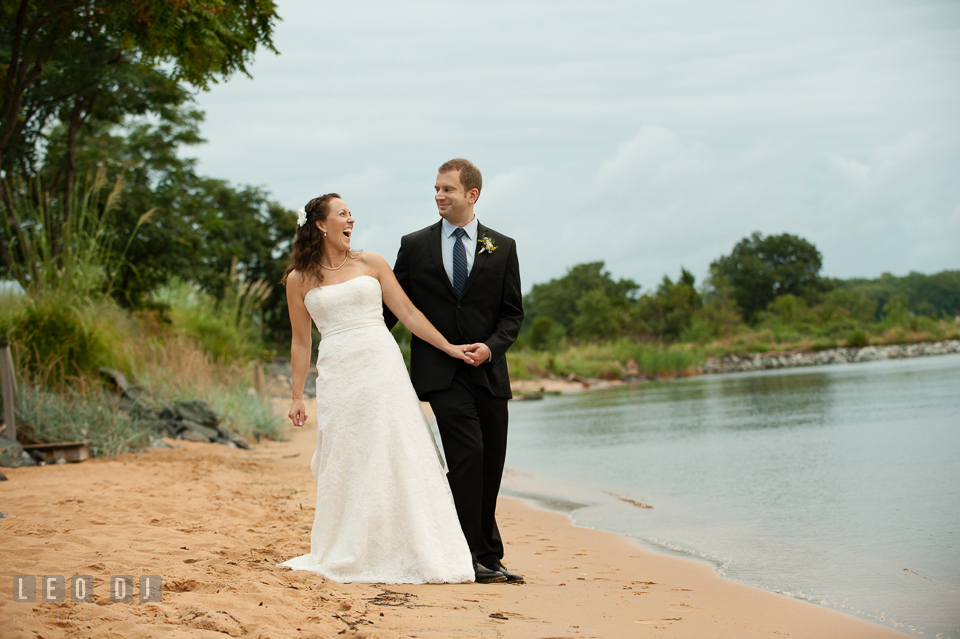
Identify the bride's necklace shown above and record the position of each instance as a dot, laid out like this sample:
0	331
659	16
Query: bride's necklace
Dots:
333	268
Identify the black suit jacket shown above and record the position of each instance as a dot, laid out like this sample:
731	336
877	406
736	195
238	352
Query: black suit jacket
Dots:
490	310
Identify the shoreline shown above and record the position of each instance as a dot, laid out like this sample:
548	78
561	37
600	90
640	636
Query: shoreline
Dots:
214	521
531	388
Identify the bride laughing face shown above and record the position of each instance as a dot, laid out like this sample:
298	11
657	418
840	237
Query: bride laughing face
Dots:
337	227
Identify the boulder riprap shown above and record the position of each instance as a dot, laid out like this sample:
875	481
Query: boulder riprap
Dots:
770	361
12	454
193	420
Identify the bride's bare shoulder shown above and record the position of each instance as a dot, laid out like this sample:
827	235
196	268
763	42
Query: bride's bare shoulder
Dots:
294	278
298	281
371	259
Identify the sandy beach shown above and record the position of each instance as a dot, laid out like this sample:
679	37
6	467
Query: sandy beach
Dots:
213	522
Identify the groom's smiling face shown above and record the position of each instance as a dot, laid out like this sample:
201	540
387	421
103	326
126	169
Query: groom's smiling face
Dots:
452	202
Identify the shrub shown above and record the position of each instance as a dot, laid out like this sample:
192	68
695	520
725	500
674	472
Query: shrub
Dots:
857	339
699	332
223	327
545	334
54	343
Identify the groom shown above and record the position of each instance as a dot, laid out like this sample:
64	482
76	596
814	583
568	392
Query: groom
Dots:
465	278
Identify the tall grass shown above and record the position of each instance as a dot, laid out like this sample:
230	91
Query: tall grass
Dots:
603	360
75	415
178	368
226	327
63	244
66	326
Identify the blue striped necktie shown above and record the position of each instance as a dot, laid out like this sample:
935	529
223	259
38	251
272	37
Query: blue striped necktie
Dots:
459	262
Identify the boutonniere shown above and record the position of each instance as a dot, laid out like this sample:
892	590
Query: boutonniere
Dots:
486	244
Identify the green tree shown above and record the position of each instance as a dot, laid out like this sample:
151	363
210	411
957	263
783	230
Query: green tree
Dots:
720	315
598	315
559	298
63	58
545	334
670	309
935	295
839	304
762	268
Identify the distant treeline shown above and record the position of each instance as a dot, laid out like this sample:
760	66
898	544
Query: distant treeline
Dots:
766	282
936	295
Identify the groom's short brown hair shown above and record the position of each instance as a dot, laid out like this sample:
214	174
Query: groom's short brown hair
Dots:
470	176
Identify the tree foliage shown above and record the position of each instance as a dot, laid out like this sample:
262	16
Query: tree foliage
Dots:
669	310
935	295
586	302
762	268
70	60
87	83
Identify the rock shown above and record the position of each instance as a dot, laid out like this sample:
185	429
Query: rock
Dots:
208	434
137	409
233	438
735	363
159	443
12	454
192	436
119	381
163	427
2	478
198	411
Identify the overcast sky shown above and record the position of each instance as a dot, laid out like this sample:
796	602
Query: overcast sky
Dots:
648	134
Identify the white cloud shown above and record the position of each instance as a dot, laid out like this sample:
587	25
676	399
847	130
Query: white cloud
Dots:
649	135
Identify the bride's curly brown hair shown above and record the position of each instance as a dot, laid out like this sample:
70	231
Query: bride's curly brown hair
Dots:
307	252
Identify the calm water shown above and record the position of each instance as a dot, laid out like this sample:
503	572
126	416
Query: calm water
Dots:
838	484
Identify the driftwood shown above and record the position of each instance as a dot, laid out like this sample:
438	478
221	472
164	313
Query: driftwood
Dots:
67	451
9	383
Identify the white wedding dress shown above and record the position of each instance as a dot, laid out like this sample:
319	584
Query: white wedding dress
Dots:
385	513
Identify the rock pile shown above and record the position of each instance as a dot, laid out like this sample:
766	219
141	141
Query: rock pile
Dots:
769	361
12	454
194	421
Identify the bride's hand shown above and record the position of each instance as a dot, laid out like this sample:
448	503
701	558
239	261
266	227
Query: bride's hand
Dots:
457	351
298	413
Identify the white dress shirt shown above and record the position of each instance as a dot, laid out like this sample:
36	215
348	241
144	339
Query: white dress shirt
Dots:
469	241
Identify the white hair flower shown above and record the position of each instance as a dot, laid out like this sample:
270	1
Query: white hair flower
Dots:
301	217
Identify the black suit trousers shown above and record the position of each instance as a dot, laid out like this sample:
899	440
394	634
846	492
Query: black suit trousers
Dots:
473	429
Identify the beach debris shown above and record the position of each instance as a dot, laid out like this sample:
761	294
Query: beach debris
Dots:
521	397
60	452
392	598
632	502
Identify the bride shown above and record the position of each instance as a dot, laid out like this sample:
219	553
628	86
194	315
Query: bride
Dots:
385	513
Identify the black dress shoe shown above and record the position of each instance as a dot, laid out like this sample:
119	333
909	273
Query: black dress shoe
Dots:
512	577
483	575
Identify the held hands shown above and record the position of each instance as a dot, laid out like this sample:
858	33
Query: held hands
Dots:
476	354
297	414
473	354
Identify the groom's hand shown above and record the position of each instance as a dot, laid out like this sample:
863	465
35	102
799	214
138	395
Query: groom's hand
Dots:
478	353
